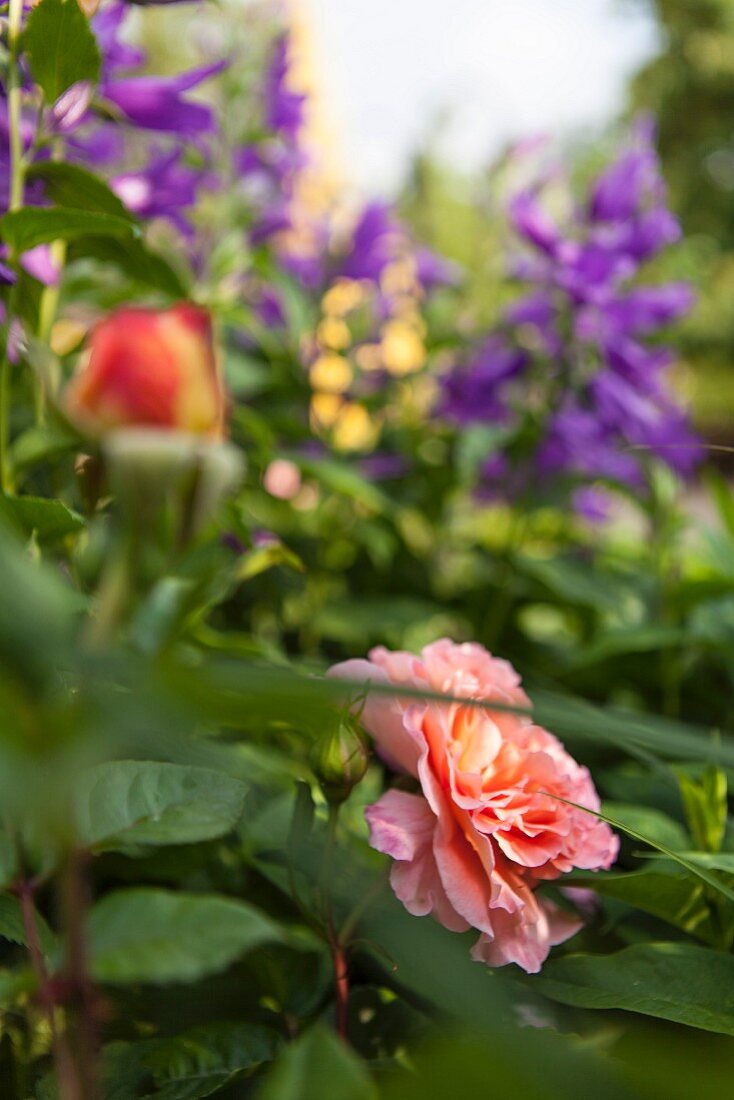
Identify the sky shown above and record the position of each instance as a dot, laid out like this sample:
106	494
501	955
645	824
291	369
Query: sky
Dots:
491	70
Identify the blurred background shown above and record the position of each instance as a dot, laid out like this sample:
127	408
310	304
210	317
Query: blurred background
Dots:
420	100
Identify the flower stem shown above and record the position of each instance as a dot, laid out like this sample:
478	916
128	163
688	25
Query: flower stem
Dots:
63	1061
15	201
336	947
6	474
17	168
82	1015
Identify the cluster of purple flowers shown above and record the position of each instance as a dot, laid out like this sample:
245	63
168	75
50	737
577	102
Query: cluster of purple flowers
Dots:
569	376
271	166
102	127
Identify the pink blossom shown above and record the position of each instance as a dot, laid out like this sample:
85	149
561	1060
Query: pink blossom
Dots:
489	825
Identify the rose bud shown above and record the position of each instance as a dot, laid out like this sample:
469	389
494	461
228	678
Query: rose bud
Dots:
340	759
149	368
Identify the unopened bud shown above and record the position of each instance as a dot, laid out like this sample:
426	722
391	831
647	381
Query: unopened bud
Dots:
340	759
152	470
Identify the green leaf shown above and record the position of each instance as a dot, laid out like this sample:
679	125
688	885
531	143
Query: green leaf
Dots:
156	936
576	583
31	226
8	860
122	1074
208	1058
629	731
705	804
650	822
60	47
134	259
125	803
262	558
37	613
338	477
75	188
670	894
12	926
48	519
722	495
318	1065
673	981
40	444
713	861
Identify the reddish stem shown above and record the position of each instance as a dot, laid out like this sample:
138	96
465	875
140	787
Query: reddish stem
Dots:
83	1003
65	1069
341	986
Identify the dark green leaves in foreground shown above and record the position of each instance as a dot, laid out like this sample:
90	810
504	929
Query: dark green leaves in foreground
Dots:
12	926
158	936
318	1065
202	1061
126	803
60	47
75	188
31	226
47	519
190	1066
674	981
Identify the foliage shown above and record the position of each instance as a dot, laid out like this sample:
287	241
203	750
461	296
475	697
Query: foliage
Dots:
189	905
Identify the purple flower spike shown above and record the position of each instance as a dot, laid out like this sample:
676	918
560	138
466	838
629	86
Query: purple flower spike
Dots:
575	342
284	108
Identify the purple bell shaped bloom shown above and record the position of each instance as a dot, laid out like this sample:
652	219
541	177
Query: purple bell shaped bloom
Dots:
272	220
157	102
7	276
40	263
631	181
102	146
72	108
374	245
116	55
474	394
533	224
269	308
435	271
646	309
164	189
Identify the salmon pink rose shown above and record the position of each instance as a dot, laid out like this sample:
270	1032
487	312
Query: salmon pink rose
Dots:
150	368
489	825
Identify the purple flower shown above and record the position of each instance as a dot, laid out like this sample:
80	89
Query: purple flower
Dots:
116	55
531	222
157	102
382	466
434	270
477	392
568	368
374	244
40	263
284	109
646	309
631	181
163	189
72	108
269	308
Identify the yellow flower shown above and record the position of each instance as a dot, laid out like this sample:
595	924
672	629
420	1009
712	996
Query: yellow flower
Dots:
353	430
403	351
331	373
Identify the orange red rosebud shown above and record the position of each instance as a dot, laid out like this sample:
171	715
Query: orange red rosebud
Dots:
150	368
